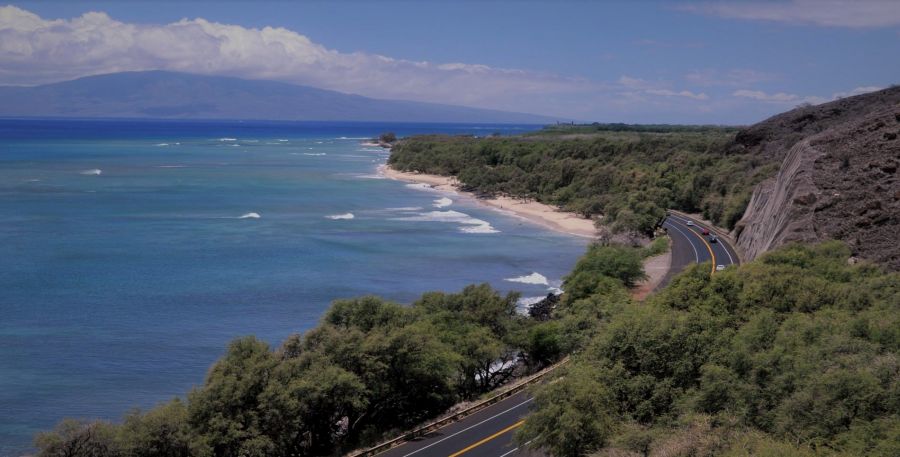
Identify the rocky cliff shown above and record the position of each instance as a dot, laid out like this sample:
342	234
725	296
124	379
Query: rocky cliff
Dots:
838	178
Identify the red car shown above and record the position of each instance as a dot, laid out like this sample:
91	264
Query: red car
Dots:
706	231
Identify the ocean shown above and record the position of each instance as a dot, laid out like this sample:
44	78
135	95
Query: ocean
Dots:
132	252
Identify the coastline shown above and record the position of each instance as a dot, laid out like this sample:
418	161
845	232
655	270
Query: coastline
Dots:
537	213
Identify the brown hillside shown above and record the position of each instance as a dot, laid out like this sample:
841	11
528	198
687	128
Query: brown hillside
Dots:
838	178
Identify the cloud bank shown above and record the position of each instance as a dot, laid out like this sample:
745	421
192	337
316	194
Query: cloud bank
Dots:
784	98
828	13
34	50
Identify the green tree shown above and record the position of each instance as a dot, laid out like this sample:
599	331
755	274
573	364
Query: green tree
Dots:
619	262
163	431
225	411
73	438
310	409
573	415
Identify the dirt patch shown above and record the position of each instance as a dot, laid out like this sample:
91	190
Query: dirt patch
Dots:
656	268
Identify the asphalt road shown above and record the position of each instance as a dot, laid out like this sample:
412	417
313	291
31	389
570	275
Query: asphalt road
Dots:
489	432
689	245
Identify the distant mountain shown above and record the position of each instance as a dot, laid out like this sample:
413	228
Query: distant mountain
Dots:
162	94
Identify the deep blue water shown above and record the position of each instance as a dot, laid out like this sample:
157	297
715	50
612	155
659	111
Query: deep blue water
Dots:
119	287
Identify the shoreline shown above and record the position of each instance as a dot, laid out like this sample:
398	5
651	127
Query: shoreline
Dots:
546	216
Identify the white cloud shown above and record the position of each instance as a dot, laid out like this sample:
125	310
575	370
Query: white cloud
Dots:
669	44
829	13
785	98
856	91
735	77
35	51
631	85
779	97
683	93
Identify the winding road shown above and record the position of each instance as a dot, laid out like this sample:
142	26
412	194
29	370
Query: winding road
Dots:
489	432
689	245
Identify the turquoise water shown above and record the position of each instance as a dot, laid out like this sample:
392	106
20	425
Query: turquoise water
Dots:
131	251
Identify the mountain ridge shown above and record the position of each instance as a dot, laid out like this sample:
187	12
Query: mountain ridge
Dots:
158	94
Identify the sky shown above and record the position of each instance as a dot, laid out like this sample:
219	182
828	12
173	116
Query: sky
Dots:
726	62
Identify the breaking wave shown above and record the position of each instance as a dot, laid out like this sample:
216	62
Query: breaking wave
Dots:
92	172
250	216
442	202
533	278
468	224
528	301
340	216
422	186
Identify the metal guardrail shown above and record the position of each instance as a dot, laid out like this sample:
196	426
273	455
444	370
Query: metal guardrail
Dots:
459	415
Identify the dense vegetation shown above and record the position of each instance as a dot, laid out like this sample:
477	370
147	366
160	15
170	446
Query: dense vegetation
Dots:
368	368
797	353
620	127
628	175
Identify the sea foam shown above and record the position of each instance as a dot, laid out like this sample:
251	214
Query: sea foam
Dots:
344	216
422	186
533	278
524	303
468	224
442	202
528	301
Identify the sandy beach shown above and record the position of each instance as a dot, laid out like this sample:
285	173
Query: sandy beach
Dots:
537	213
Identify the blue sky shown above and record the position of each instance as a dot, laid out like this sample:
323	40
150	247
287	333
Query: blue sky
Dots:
673	62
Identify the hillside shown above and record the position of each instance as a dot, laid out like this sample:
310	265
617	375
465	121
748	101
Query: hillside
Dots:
793	354
838	177
161	94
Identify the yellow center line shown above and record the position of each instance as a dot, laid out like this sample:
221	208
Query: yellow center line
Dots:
711	255
708	247
479	443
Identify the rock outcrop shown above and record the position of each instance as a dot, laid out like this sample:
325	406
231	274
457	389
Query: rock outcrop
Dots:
838	178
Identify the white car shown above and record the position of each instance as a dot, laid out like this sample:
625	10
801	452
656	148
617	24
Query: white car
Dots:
720	267
690	223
